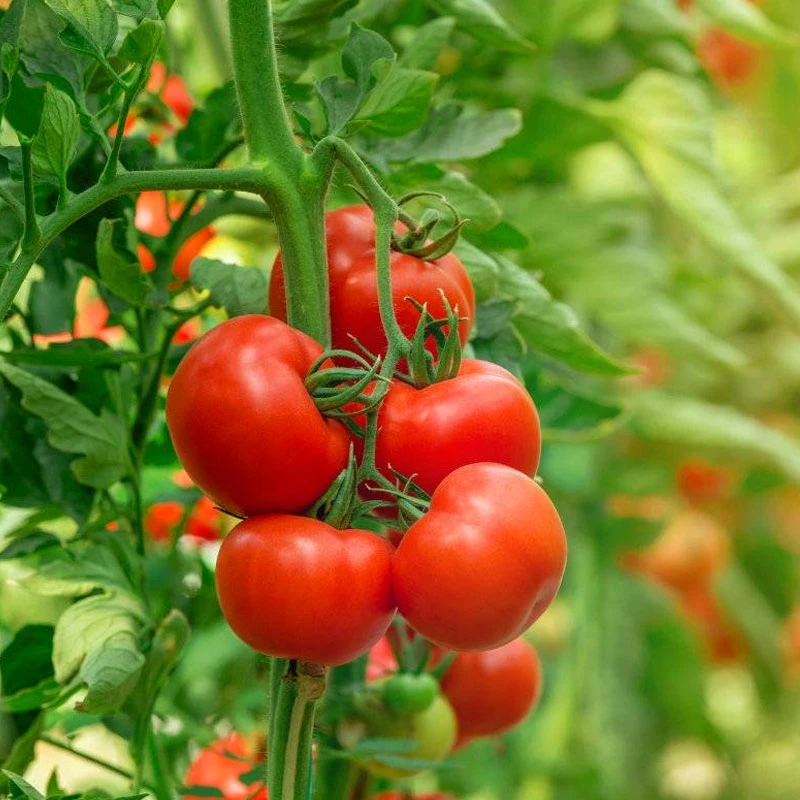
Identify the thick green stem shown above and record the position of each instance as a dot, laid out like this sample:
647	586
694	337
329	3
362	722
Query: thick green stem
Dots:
295	689
267	128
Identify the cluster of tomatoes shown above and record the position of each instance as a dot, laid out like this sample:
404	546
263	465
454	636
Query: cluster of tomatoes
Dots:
480	563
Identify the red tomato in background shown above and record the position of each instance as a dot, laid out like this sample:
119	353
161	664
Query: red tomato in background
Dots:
692	549
483	414
723	643
702	483
162	519
221	766
381	662
494	690
172	90
350	236
154	217
295	587
243	424
204	521
484	563
729	61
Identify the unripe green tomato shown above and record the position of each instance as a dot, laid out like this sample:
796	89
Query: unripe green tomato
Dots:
434	731
405	693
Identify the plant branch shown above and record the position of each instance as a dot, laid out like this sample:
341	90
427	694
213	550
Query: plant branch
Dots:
267	127
112	164
32	233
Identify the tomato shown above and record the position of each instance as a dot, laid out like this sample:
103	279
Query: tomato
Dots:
407	693
484	563
350	234
702	483
154	217
381	660
692	549
204	521
483	414
162	519
244	427
433	731
295	587
172	90
730	61
723	643
221	766
494	690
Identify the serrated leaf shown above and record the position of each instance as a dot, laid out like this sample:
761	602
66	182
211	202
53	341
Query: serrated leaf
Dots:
550	327
54	145
693	423
452	133
91	26
138	9
666	122
140	43
747	21
480	19
428	42
119	269
307	19
72	428
239	290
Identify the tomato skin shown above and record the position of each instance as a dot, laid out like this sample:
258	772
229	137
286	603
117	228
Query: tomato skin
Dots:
161	520
295	587
217	766
494	690
406	693
702	483
350	235
381	661
244	427
172	90
484	563
483	414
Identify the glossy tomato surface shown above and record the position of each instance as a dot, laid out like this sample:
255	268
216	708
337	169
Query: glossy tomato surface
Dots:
350	235
245	428
221	766
484	563
494	690
483	414
294	587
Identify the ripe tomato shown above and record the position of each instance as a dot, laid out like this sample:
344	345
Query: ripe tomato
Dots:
244	427
702	483
204	521
494	690
692	549
433	730
484	563
153	218
483	414
350	234
730	61
723	643
161	520
381	660
172	90
221	765
295	587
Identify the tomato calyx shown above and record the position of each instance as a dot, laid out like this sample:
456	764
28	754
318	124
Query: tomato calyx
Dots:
340	503
415	240
423	369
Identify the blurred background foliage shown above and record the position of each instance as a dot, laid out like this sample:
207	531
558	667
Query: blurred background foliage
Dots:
654	187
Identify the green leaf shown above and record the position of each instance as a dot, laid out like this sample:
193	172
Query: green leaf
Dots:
550	327
307	19
428	42
32	698
452	133
75	354
25	107
480	19
23	785
91	26
72	428
54	145
210	128
399	103
138	9
747	21
119	269
698	425
239	290
482	268
27	660
140	43
666	122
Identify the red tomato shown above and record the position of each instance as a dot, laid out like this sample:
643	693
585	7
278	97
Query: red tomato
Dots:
350	236
244	427
483	414
172	91
162	519
723	643
381	661
484	563
729	60
188	332
690	551
204	521
702	483
295	587
494	690
221	765
153	218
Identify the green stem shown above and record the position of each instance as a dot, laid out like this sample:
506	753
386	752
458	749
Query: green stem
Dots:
295	689
112	164
161	780
245	179
32	233
267	128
